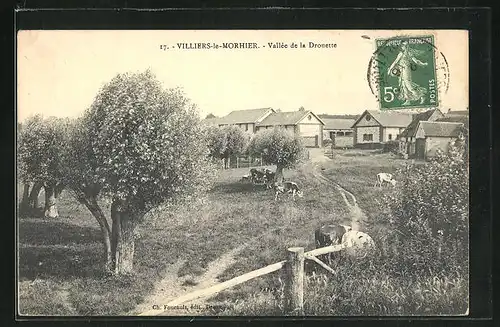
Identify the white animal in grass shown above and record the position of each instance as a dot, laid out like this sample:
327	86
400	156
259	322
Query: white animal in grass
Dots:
358	244
385	178
287	187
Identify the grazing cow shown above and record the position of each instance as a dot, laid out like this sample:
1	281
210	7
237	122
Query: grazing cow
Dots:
327	235
385	178
269	179
257	176
287	187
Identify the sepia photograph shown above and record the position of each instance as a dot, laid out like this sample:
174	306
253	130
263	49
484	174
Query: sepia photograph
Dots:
242	172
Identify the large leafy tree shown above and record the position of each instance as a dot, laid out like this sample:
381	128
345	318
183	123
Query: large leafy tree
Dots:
278	146
146	147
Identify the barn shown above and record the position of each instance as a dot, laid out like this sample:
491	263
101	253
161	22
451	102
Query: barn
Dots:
246	119
305	123
433	136
339	131
374	128
407	139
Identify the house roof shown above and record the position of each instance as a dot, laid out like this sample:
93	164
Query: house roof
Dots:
333	123
211	121
455	119
388	118
458	113
440	129
244	116
286	118
412	127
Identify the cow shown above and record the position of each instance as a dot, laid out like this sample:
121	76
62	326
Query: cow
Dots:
257	176
328	235
269	178
287	187
385	178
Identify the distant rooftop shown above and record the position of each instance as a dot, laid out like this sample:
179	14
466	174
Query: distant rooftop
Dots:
441	129
244	116
333	123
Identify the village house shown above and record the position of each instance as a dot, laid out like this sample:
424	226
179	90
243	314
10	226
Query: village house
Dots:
305	123
433	136
374	128
245	119
340	131
407	137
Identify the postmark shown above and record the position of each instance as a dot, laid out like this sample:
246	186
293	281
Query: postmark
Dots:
408	72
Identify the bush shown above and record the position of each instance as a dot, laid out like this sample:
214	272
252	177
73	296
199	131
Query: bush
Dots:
428	216
391	146
327	142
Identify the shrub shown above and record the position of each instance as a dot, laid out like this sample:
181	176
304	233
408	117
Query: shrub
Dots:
428	215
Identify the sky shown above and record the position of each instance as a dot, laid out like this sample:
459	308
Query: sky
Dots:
60	72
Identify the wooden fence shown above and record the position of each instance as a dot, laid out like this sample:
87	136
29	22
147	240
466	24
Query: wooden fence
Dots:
293	280
249	162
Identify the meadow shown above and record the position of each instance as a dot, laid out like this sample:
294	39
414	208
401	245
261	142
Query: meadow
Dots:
237	228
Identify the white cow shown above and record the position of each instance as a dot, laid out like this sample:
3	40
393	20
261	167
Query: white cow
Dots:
385	178
287	187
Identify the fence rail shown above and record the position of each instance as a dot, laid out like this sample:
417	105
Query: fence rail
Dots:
294	279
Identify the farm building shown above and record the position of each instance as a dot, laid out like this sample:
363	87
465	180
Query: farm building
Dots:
339	131
407	137
305	123
246	119
433	136
374	128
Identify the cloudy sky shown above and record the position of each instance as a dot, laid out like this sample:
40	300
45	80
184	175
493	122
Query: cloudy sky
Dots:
60	72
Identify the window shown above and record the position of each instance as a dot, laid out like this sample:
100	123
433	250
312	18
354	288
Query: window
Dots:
310	117
246	127
340	133
390	137
368	117
367	137
348	133
332	135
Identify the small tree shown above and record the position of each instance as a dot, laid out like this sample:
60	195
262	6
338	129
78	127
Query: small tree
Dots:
216	141
210	115
224	142
278	146
236	142
40	150
147	147
302	109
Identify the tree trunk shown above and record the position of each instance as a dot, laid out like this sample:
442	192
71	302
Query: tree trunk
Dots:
279	174
33	198
50	202
122	239
24	205
95	209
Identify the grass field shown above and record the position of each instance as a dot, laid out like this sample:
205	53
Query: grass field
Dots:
60	260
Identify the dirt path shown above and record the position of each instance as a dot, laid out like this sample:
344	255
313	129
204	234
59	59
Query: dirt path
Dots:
357	215
171	286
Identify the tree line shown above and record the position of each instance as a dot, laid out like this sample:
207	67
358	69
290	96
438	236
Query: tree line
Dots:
137	147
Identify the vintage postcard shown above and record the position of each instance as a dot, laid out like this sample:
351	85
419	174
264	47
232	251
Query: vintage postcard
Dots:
243	172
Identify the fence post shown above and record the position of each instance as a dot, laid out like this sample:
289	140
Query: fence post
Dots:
237	162
294	282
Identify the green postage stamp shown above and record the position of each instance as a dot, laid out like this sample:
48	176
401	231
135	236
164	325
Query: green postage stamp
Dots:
406	72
